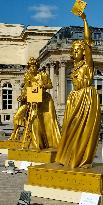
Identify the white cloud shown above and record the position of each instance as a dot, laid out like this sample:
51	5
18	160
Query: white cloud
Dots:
43	12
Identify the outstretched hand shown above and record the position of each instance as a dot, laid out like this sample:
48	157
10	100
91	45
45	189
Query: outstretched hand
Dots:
82	15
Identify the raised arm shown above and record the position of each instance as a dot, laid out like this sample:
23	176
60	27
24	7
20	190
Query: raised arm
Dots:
87	41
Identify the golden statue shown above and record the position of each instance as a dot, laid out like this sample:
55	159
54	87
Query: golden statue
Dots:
81	123
38	117
21	115
44	128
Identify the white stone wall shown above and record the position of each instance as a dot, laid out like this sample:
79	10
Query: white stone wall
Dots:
18	43
11	30
34	44
16	82
12	52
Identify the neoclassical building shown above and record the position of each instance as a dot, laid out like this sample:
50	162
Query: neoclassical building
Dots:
52	46
17	44
55	56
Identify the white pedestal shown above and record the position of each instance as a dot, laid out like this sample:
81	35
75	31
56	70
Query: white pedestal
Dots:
56	194
4	151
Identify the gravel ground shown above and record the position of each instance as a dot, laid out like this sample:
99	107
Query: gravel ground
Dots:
11	185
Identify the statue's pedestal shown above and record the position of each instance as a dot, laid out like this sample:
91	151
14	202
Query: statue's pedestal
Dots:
4	151
20	156
31	155
56	181
56	176
60	195
9	144
54	194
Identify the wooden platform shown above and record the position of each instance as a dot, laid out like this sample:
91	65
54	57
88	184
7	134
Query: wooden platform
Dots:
56	176
30	155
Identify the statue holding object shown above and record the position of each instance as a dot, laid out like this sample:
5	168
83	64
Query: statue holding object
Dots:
81	125
80	130
36	114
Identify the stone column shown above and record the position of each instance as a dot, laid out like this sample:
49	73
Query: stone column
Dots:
95	84
48	69
48	72
57	86
52	79
62	83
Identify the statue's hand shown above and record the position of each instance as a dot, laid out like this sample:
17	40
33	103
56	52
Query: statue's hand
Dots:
19	98
40	83
82	15
42	86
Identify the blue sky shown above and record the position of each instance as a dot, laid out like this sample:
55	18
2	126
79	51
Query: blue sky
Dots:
48	12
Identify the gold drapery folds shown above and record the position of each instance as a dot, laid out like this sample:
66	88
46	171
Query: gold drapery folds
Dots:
38	118
81	125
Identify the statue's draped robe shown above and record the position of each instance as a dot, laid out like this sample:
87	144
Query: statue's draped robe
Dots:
43	122
81	123
45	126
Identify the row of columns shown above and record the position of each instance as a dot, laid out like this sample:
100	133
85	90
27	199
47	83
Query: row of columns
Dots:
61	82
58	82
52	79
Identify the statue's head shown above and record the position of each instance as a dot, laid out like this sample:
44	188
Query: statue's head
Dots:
33	64
78	50
32	61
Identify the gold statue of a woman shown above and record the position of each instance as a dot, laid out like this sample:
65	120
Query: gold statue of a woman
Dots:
81	123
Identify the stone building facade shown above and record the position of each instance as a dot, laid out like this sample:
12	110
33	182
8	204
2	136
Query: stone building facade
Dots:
55	56
52	46
17	44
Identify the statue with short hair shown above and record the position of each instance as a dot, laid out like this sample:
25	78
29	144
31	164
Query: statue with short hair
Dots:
38	117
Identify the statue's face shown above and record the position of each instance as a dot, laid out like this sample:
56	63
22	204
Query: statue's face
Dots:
77	52
32	61
32	65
